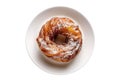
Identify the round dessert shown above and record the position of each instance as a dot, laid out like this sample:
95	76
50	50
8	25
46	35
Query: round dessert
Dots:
60	39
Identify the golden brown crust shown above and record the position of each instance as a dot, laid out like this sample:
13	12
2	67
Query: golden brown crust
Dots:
60	52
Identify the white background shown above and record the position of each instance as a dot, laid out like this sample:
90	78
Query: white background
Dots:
15	17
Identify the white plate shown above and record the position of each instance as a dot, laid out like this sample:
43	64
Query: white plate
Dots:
33	49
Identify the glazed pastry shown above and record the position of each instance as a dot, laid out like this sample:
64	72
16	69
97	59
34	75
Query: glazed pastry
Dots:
60	39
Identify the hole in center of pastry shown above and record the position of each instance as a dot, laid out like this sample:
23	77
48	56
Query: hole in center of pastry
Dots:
60	39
